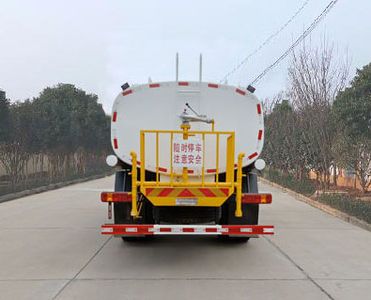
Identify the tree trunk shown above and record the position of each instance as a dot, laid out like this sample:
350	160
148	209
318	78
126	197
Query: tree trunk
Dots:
335	176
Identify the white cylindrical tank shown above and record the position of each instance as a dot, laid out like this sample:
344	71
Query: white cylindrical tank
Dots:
157	106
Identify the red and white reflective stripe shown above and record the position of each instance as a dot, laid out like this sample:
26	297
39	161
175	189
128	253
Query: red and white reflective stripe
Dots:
183	83
260	134
259	108
127	92
251	156
114	116
241	92
115	143
213	85
154	85
185	229
140	229
161	169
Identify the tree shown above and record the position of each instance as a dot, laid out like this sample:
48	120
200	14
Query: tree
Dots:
284	146
16	150
70	121
315	78
4	129
278	139
4	118
352	114
65	127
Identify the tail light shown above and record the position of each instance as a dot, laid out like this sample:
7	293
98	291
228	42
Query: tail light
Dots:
115	197
257	198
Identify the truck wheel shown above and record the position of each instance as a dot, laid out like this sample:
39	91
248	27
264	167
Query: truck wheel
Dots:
147	218
122	210
228	218
250	212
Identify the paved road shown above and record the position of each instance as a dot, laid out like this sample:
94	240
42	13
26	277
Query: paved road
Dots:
50	247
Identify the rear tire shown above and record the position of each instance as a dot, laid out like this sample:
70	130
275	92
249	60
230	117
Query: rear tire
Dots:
250	212
122	211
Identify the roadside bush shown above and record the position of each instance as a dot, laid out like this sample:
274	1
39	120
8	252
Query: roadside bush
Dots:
304	186
39	179
348	204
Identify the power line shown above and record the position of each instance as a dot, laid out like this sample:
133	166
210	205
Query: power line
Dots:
273	35
298	40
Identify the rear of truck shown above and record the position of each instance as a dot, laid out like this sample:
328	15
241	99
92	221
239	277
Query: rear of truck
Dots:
179	172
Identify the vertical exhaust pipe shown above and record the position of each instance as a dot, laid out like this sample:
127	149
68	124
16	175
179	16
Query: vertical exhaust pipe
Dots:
177	67
200	70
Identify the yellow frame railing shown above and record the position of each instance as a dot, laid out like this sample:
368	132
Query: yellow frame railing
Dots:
229	155
230	165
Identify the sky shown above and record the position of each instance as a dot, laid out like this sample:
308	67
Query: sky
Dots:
99	45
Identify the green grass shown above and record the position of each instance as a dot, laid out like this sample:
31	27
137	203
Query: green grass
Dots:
342	202
348	204
42	179
305	186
